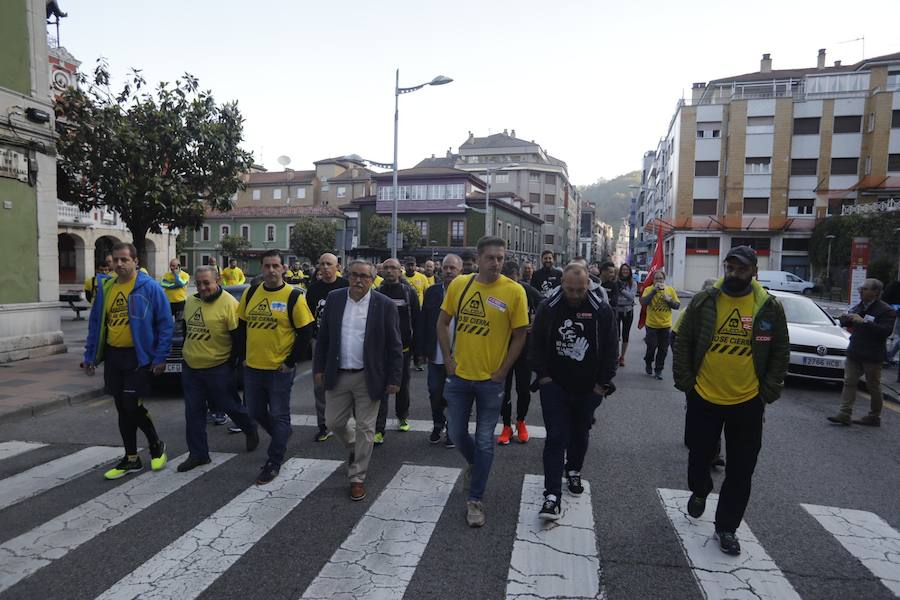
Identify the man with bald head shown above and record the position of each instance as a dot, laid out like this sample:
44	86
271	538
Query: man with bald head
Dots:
428	272
316	293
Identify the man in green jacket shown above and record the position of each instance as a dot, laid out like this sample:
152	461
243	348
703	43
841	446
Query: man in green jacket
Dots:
731	357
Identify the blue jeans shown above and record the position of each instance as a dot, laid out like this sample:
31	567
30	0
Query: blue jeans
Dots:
567	418
478	451
268	397
207	388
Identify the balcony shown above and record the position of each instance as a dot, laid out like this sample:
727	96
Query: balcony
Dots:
70	215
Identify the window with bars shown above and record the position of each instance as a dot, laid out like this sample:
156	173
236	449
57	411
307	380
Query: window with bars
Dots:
549	239
549	198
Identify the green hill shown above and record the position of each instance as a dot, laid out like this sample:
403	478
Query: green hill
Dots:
611	196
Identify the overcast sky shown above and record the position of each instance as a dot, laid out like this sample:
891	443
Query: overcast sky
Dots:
595	83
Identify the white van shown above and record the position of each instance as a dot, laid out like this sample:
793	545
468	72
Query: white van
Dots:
785	282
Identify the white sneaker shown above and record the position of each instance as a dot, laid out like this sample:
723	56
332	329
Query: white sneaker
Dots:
475	513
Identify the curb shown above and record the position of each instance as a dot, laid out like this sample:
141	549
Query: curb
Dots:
43	407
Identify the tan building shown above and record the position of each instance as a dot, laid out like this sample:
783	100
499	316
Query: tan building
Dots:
759	158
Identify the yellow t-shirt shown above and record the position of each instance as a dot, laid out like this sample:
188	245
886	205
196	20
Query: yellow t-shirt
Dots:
377	281
659	315
488	315
207	341
176	294
726	374
430	280
233	276
419	282
270	337
118	328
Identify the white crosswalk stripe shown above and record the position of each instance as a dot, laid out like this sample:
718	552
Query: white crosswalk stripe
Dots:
867	537
22	556
51	474
558	559
10	449
185	568
379	557
534	431
752	575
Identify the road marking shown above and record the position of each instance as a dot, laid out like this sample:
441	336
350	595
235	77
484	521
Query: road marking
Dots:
186	567
10	449
557	559
379	557
22	556
535	431
51	474
867	537
753	574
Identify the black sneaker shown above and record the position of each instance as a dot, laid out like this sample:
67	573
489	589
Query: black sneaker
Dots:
435	436
252	440
658	375
573	482
234	429
648	368
728	542
269	472
448	443
718	461
322	434
192	462
550	510
696	506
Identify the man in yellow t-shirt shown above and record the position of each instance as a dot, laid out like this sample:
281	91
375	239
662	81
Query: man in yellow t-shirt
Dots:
92	283
660	300
276	320
174	282
415	279
490	312
232	274
428	272
208	376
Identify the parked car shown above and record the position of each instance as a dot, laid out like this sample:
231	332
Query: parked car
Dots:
785	282
818	343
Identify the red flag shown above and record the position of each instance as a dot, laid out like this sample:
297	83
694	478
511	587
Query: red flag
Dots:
656	264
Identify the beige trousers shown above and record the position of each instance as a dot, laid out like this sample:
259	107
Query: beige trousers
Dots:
853	370
350	397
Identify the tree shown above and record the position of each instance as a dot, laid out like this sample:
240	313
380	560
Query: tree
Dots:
313	237
234	246
158	159
880	228
379	227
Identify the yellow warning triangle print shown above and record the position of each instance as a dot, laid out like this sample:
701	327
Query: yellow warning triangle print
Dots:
119	303
197	319
262	309
474	307
733	325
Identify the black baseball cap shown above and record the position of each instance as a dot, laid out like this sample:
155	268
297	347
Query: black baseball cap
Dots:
744	254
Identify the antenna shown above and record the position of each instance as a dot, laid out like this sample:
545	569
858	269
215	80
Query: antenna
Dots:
859	39
284	160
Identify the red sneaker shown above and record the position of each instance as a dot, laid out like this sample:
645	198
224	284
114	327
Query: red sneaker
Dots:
521	432
505	435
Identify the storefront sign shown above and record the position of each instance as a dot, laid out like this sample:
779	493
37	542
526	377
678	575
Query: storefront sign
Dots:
859	266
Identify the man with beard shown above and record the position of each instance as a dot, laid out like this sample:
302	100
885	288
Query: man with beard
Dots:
731	357
548	277
469	265
417	280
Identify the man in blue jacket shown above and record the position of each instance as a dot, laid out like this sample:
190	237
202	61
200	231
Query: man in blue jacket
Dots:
130	327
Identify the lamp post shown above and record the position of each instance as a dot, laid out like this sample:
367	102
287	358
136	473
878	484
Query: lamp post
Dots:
830	239
489	172
439	80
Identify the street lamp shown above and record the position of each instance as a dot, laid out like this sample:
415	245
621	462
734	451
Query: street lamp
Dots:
489	171
830	239
439	80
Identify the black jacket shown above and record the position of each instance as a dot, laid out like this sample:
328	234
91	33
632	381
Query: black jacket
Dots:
545	280
426	326
407	302
867	340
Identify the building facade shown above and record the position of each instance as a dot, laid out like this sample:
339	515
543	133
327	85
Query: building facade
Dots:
760	158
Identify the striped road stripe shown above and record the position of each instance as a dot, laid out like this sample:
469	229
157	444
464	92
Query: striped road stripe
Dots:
379	557
753	574
554	560
56	472
22	556
10	449
534	431
185	568
867	537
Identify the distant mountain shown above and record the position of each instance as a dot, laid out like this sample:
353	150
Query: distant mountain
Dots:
611	196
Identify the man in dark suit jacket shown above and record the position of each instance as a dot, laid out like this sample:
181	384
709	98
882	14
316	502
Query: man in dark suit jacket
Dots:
359	360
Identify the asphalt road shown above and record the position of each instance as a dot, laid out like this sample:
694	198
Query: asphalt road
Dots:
636	450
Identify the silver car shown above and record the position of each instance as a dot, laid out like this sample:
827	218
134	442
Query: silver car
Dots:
818	343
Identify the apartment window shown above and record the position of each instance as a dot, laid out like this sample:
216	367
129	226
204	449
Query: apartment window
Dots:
795	244
708	129
520	241
806	125
848	124
535	199
422	226
702	245
256	194
245	232
270	233
706	168
758	166
760	124
509	237
804	166
224	230
548	218
836	205
549	239
276	194
705	206
893	162
761	245
895	119
534	177
550	199
300	193
205	233
457	233
800	207
290	233
204	259
500	178
550	179
844	166
756	206
341	192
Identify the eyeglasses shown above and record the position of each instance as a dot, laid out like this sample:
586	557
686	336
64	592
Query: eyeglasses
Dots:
360	275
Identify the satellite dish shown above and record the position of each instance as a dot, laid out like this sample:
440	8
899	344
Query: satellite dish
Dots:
284	160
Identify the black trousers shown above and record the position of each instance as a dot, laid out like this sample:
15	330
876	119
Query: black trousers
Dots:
401	398
624	321
703	425
126	381
657	347
568	420
522	374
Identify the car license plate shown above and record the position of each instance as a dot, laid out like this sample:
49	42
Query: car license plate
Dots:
815	361
173	367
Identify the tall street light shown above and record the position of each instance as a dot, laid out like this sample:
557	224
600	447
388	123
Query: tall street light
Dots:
439	80
830	239
489	172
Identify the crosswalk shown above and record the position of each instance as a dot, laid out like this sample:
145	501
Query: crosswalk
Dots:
379	557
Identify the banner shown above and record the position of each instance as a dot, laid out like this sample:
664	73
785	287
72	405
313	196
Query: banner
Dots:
657	264
859	267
